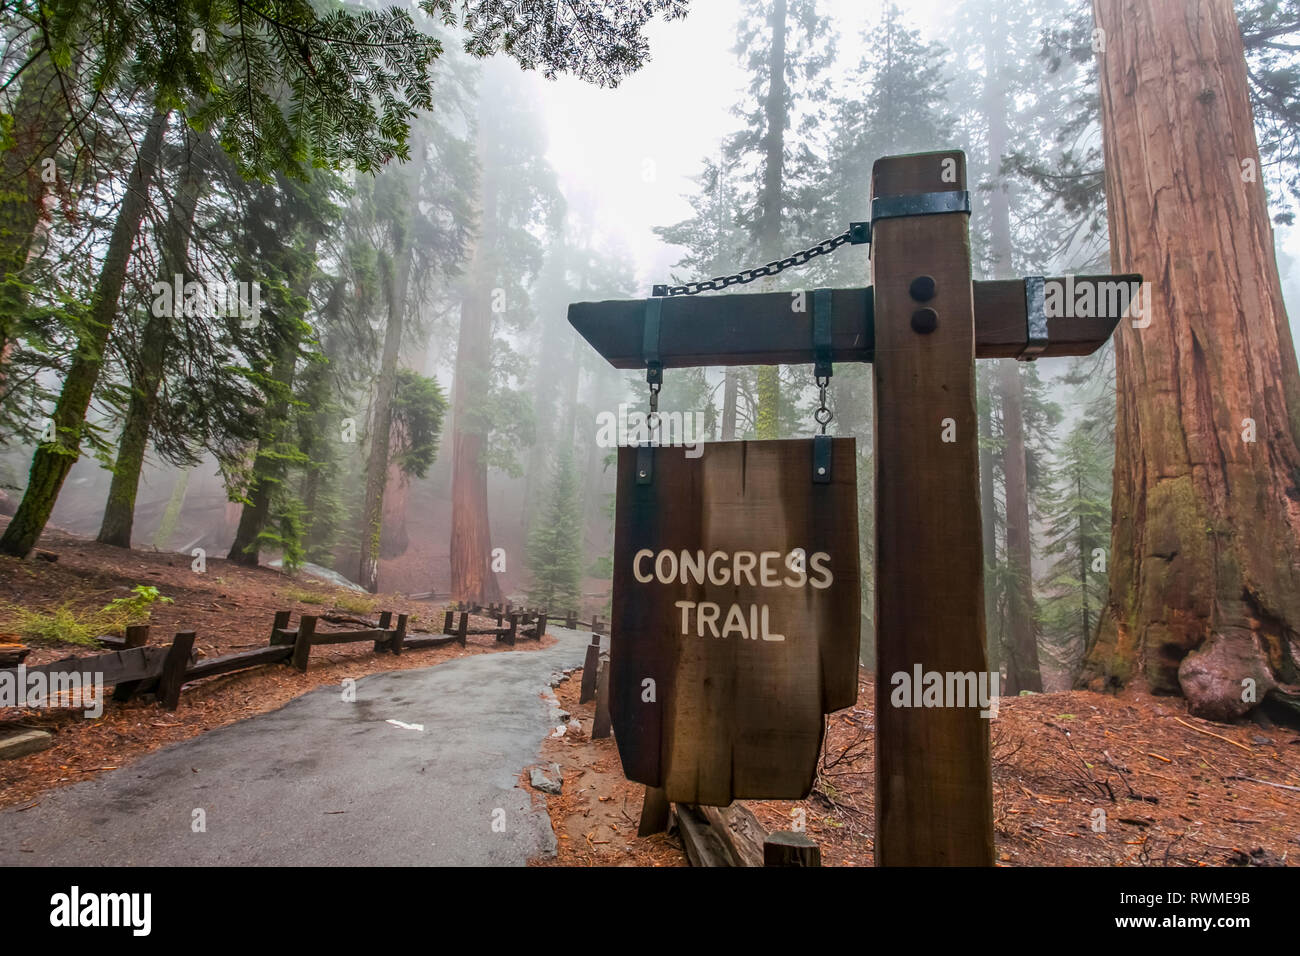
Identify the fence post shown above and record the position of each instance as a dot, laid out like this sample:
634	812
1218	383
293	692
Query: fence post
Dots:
447	622
571	621
540	628
173	673
385	619
137	635
600	726
590	670
463	627
399	635
302	645
514	630
280	623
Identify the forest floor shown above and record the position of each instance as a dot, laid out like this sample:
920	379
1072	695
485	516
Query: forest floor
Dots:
231	608
1174	790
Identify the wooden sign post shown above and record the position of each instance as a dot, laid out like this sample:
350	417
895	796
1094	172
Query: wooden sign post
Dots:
923	323
932	763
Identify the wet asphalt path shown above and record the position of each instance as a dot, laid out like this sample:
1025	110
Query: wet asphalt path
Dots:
322	782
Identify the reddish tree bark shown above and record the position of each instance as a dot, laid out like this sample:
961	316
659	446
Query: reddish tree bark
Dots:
1205	566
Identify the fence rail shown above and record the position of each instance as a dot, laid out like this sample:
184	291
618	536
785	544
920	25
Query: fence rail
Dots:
137	668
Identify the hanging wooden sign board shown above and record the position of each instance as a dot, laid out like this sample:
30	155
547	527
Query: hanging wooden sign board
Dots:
736	616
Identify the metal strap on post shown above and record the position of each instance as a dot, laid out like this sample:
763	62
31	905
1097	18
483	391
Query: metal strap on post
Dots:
650	342
654	376
821	319
822	370
919	204
1035	318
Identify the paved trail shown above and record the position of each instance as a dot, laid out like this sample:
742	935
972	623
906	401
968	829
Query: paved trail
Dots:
328	783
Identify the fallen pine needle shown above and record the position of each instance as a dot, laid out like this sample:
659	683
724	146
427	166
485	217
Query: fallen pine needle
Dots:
1268	783
1158	757
1210	734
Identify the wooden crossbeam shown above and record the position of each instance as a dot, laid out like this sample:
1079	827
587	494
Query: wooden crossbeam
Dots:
763	328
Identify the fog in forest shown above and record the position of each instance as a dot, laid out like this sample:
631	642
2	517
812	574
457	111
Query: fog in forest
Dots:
423	302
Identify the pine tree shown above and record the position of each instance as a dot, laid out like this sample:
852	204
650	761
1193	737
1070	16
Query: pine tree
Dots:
1076	517
555	544
785	46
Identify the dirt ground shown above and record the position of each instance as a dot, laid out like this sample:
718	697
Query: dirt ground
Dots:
1174	790
231	608
596	814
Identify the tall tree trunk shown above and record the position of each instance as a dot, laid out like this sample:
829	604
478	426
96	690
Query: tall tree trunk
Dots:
988	522
729	389
472	578
1205	538
171	514
1021	646
119	509
768	418
38	118
381	428
53	460
268	466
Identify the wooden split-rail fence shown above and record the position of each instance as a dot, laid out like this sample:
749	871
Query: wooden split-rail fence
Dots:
502	611
135	667
507	630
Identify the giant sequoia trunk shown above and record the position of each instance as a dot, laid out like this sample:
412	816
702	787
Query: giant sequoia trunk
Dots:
119	509
53	460
472	578
1205	565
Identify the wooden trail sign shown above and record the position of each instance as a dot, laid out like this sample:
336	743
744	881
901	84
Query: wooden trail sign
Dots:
735	619
923	322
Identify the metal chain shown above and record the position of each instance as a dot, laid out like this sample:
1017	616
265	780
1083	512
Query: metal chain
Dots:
801	258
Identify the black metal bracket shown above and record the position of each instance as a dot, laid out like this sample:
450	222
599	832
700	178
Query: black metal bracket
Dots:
645	463
919	204
821	323
1036	338
821	459
859	232
654	375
